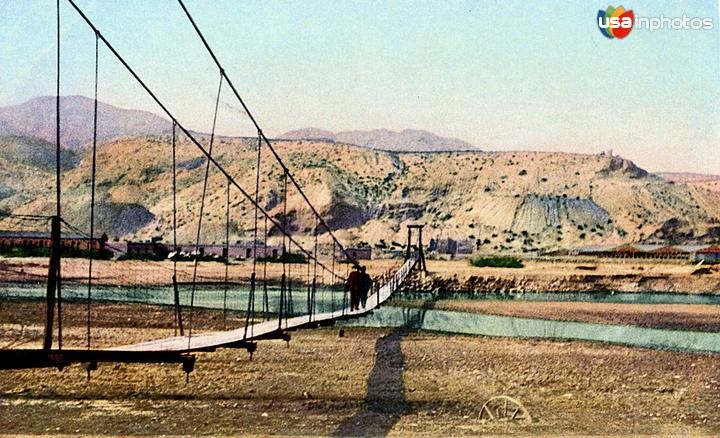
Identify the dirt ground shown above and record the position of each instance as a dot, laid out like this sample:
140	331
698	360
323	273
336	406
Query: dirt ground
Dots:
134	272
452	275
369	382
698	317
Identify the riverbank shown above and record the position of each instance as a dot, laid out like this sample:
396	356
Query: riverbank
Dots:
394	381
540	276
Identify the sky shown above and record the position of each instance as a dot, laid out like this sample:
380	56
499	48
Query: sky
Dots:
502	75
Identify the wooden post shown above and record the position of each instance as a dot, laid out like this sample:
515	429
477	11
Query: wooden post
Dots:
178	312
53	272
409	243
421	252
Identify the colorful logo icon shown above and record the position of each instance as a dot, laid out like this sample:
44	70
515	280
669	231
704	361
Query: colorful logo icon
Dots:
615	22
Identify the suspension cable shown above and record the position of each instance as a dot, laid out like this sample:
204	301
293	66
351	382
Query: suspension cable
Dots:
202	206
253	276
314	279
308	284
92	190
265	303
345	292
332	284
190	136
257	201
227	251
285	250
255	230
177	315
257	126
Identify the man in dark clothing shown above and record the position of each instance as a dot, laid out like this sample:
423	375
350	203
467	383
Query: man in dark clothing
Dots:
366	283
354	285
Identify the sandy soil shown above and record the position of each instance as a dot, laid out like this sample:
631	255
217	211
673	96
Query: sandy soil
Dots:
448	276
663	316
371	381
132	272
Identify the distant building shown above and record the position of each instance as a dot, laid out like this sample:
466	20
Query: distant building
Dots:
356	254
146	249
451	246
32	239
233	251
711	255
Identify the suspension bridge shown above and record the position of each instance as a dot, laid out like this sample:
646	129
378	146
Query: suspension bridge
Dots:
274	317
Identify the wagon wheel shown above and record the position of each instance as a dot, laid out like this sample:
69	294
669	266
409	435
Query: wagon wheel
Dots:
504	408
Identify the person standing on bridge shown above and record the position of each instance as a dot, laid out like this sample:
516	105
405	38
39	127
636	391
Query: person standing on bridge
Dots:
354	285
366	285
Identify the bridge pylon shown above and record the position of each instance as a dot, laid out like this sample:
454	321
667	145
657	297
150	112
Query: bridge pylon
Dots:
421	252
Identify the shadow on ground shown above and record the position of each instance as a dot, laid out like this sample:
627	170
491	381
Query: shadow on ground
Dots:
385	401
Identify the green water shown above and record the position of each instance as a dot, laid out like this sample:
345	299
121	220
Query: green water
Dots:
434	320
211	297
506	326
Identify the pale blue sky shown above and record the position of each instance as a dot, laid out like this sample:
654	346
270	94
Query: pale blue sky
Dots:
499	74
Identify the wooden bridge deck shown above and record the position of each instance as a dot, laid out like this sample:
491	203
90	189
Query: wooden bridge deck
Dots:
268	329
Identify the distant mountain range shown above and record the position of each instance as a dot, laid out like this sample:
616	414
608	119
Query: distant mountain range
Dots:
683	177
36	119
408	140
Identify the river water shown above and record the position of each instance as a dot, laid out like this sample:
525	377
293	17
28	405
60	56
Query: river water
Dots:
425	319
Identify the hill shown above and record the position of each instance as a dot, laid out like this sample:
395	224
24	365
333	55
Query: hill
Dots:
36	118
409	140
700	180
688	177
503	201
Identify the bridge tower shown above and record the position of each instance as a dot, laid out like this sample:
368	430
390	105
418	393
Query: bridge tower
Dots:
421	252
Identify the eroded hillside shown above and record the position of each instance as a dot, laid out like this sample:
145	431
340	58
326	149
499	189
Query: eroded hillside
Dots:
504	200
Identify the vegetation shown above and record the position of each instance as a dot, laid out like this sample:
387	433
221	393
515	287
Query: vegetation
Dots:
74	253
497	262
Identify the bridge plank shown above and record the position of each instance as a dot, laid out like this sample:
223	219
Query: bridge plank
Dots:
208	341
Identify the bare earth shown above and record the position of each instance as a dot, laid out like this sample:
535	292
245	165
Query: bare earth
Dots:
371	381
444	275
134	272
